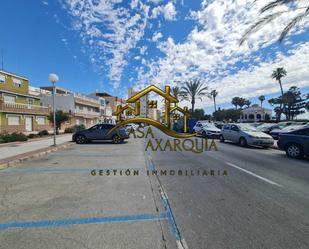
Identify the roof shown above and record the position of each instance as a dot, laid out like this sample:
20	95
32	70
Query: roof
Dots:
13	74
58	89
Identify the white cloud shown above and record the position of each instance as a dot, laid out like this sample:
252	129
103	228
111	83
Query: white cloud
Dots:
156	36
211	51
109	31
168	11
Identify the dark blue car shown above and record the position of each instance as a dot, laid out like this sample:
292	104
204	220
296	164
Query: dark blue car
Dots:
101	132
295	143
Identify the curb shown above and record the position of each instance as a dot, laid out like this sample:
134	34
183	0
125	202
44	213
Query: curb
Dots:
11	161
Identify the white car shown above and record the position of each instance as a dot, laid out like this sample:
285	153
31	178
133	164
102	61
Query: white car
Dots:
245	135
206	129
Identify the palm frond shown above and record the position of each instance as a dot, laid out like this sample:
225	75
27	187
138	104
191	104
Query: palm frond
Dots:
292	24
258	25
275	4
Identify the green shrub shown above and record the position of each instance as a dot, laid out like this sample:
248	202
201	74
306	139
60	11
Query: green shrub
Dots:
7	138
68	130
43	133
74	128
33	135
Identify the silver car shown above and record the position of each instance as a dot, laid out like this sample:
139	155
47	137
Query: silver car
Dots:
245	135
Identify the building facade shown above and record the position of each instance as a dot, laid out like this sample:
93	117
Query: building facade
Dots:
255	113
81	108
144	103
20	111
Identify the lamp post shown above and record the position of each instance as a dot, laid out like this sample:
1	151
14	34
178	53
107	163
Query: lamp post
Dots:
53	78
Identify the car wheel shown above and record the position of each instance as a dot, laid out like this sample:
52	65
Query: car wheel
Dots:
222	139
243	142
204	134
294	151
117	139
81	139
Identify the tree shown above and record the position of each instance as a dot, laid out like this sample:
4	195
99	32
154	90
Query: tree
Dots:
293	101
227	115
235	102
60	118
278	74
262	99
198	114
247	102
275	4
241	102
193	90
213	95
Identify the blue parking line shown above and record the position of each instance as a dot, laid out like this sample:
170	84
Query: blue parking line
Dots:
80	221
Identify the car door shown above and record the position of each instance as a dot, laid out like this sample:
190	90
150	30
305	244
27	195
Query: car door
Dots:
234	133
303	139
104	131
94	132
226	132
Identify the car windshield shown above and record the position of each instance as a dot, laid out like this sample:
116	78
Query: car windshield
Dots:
210	125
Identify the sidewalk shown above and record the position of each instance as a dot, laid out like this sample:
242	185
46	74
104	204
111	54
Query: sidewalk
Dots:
24	147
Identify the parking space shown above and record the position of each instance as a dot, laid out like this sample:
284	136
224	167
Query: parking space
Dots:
55	201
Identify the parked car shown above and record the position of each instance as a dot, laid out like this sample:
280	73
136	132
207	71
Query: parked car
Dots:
267	127
100	132
295	143
245	135
131	126
206	129
276	132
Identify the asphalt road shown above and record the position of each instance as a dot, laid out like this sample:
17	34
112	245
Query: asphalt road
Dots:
55	202
263	202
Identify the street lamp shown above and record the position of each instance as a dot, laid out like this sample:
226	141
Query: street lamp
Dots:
53	78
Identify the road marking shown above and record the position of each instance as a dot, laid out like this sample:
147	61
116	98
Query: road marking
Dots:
80	221
253	174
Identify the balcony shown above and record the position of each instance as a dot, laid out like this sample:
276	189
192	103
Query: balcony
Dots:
86	113
23	108
84	100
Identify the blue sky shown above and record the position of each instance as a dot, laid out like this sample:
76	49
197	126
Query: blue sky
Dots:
110	45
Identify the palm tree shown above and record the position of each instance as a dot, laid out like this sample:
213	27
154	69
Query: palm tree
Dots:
268	18
235	102
247	102
213	94
193	90
262	99
278	74
241	102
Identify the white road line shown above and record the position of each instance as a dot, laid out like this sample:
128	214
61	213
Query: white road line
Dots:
255	175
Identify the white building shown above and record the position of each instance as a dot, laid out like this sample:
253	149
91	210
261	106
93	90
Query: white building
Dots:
255	113
144	100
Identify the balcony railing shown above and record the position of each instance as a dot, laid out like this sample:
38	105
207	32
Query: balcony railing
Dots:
82	99
23	108
86	113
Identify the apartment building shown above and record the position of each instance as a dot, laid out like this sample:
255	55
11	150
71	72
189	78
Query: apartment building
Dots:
144	102
20	111
106	113
82	108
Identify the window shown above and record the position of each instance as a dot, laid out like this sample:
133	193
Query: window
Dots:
40	120
234	128
17	82
226	127
2	78
9	99
13	120
107	126
30	101
303	132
